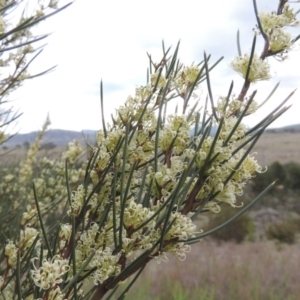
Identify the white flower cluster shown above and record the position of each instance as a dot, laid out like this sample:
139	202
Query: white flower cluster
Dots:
27	237
235	107
259	69
50	273
11	253
106	264
158	79
175	134
73	152
186	78
135	214
165	177
273	24
278	43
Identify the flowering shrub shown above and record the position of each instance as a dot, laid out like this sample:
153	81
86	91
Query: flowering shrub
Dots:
17	50
49	177
147	179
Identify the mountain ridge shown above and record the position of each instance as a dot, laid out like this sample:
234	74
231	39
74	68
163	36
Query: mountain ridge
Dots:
61	137
58	137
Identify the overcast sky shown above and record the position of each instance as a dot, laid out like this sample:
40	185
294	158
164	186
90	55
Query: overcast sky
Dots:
95	39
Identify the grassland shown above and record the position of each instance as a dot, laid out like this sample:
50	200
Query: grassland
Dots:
11	157
282	147
228	271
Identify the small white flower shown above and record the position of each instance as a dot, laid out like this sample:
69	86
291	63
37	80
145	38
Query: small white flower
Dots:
279	40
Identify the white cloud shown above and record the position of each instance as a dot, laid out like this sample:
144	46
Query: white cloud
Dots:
109	40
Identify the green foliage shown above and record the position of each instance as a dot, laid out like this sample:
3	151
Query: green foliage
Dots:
292	180
275	172
287	175
48	146
238	231
284	232
26	145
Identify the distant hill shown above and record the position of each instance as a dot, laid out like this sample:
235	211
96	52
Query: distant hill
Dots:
58	137
288	129
61	137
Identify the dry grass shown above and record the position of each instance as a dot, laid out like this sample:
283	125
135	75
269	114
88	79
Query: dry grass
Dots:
250	271
282	147
14	156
